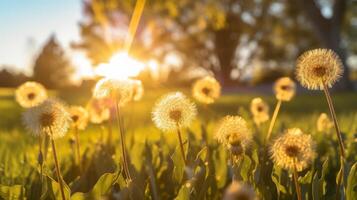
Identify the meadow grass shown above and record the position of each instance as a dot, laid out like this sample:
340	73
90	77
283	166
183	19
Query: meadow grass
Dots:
155	155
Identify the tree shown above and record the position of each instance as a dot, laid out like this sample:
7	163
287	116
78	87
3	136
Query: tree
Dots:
10	78
222	36
52	68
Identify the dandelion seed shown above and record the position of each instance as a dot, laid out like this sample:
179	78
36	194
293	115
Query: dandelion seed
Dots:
233	133
284	89
30	94
318	67
97	110
260	110
206	90
238	190
172	110
120	90
79	117
324	123
49	118
293	150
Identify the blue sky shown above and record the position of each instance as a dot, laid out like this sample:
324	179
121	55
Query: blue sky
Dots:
26	24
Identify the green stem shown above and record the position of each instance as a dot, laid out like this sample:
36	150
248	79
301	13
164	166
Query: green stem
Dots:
297	186
78	149
59	176
339	137
122	138
272	122
40	157
110	121
334	117
181	144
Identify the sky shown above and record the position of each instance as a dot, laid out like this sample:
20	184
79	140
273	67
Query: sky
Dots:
26	24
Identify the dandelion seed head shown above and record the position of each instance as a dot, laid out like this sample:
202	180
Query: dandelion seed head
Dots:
98	111
233	133
173	109
238	190
324	123
50	117
259	110
30	94
294	147
206	90
120	90
318	67
284	89
79	117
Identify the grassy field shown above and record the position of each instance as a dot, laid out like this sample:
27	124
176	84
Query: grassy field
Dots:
155	159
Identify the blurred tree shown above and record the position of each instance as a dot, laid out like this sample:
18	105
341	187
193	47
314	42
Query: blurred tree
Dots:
52	68
224	36
11	79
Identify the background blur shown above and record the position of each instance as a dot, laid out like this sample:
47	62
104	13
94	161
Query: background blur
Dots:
67	43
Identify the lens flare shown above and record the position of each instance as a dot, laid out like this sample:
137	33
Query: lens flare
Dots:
121	65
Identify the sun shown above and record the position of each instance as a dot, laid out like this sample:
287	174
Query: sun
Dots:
121	65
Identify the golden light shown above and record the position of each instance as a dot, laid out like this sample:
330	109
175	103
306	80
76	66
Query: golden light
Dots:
121	65
153	66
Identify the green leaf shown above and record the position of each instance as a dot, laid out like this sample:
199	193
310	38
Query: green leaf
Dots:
184	193
220	157
57	190
245	167
12	192
102	187
179	165
307	178
276	177
351	189
318	183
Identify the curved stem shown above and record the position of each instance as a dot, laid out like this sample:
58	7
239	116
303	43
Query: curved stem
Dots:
122	138
59	176
297	186
272	122
334	117
78	149
181	144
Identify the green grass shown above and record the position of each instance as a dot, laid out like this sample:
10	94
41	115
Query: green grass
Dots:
155	157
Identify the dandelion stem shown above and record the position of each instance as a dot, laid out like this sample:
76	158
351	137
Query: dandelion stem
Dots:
122	138
297	187
59	176
40	157
272	122
109	139
78	149
333	115
340	142
181	144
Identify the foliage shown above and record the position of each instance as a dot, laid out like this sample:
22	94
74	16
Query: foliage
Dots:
213	34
